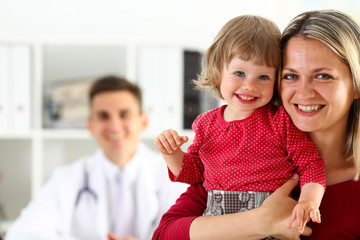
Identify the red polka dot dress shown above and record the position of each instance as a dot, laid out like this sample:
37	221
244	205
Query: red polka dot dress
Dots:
258	153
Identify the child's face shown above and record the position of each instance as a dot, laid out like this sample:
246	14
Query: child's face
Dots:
246	86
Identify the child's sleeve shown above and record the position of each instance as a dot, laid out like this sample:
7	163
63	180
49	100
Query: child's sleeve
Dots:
302	152
192	170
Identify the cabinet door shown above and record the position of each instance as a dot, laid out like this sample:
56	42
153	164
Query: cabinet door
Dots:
15	182
15	91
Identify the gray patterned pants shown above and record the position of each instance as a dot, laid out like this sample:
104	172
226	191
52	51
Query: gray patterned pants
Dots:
226	202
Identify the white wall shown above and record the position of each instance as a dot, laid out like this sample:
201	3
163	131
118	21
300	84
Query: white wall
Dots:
189	22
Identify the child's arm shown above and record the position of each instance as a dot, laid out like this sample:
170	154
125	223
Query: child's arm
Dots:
169	143
308	206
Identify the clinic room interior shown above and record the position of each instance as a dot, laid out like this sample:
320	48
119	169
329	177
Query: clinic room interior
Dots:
63	46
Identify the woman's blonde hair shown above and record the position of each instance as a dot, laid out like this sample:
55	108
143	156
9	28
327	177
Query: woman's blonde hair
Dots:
340	33
248	37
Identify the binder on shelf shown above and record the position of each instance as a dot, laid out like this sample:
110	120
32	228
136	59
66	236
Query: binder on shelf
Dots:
148	80
4	87
19	94
159	76
171	89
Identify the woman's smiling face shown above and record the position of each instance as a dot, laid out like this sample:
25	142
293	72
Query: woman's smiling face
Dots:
316	86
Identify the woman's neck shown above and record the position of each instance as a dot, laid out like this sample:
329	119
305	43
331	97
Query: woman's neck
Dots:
331	145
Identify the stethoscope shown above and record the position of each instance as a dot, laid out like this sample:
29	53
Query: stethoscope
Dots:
85	189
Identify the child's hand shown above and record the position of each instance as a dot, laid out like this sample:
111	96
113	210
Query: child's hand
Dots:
302	213
169	141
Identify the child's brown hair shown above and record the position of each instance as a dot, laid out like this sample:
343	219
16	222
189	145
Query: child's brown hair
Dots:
248	37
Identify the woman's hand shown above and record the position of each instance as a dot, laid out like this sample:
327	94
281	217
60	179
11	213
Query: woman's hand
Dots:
277	209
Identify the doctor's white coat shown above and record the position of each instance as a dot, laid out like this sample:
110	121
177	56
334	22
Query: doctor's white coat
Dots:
52	214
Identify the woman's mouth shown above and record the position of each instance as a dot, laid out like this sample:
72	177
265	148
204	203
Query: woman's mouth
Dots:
309	108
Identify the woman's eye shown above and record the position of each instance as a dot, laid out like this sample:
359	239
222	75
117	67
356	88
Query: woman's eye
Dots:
290	77
263	77
323	76
240	74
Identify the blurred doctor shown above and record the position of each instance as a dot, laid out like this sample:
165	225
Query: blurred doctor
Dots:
120	192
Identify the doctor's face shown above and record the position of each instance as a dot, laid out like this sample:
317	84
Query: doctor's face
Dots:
116	122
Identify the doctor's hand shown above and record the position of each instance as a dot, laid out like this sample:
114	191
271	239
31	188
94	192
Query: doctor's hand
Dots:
113	237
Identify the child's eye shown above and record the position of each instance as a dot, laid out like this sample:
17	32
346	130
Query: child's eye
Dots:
240	74
263	77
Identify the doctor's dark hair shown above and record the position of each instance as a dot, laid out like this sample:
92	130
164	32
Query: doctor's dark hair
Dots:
114	83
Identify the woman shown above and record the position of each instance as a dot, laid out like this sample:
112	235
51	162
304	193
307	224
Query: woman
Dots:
320	89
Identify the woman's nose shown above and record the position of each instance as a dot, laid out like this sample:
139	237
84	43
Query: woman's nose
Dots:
305	89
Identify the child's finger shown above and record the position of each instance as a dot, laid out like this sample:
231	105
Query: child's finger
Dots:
179	140
165	146
300	223
175	136
315	216
166	140
292	219
318	216
301	229
291	222
184	139
172	139
159	145
304	221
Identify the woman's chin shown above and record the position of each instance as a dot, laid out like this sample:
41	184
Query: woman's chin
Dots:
305	125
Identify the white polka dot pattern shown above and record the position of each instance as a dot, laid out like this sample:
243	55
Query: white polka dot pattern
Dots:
258	153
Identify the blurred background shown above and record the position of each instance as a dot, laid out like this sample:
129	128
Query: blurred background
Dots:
51	51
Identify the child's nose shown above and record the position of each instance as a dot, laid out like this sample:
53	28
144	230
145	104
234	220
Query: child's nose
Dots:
249	85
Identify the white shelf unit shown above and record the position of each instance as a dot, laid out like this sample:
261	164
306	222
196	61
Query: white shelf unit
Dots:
29	157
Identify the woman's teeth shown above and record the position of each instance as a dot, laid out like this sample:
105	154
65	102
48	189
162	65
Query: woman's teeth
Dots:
308	108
